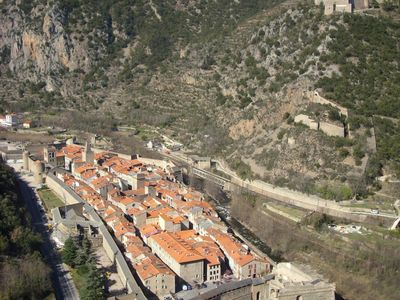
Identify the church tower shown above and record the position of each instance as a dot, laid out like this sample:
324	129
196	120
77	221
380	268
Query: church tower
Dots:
88	154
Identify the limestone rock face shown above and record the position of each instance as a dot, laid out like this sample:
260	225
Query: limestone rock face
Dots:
40	47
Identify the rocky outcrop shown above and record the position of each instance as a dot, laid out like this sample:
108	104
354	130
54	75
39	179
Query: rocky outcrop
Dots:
41	53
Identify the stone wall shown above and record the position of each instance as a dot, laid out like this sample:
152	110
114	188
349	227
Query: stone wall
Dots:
157	162
63	191
306	120
309	202
109	245
331	129
315	97
243	293
328	128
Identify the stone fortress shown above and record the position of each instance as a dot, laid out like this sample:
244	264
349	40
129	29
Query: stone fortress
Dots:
328	127
342	6
33	165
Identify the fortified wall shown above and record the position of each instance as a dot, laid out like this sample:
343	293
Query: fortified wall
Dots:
309	202
315	97
35	166
109	245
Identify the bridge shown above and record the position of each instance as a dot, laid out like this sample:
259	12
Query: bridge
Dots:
219	180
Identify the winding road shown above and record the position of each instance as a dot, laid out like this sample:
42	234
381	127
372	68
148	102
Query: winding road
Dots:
64	287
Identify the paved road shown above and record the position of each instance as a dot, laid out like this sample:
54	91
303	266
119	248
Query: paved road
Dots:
64	287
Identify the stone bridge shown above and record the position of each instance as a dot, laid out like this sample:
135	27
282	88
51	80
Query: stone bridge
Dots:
219	180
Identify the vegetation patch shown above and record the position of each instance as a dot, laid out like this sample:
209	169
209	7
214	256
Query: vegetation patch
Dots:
89	280
23	273
49	198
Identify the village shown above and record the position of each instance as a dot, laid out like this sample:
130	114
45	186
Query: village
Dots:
166	240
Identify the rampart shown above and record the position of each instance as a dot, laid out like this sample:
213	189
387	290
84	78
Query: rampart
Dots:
35	166
317	98
331	129
309	202
109	245
157	162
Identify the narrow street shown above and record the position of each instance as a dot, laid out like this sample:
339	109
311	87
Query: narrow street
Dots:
64	287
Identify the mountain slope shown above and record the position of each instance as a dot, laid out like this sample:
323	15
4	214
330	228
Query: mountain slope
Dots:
225	78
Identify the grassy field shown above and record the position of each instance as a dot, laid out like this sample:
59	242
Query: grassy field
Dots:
50	199
296	213
79	278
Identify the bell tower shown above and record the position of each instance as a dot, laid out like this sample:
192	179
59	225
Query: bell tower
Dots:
88	154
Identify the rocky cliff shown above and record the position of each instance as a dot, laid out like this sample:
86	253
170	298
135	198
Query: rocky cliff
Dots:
223	77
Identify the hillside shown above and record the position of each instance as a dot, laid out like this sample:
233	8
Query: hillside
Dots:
226	78
24	274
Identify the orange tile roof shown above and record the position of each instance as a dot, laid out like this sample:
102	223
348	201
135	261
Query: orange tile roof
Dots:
72	149
137	210
137	250
149	230
150	267
137	192
111	209
88	174
150	202
84	168
60	154
160	211
132	239
122	228
205	246
100	182
127	201
176	247
232	247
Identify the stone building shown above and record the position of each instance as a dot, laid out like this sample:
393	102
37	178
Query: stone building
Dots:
53	157
296	282
69	220
329	128
88	154
332	6
287	282
185	261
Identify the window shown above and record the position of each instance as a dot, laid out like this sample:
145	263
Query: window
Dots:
299	297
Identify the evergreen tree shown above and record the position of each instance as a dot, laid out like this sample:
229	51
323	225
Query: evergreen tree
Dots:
86	246
81	257
84	252
69	252
95	283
